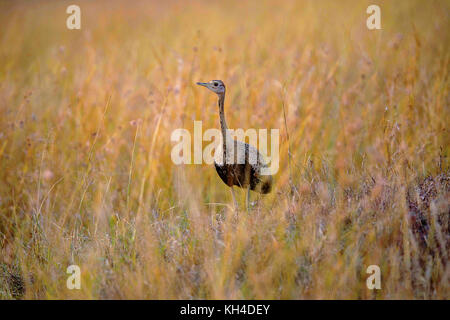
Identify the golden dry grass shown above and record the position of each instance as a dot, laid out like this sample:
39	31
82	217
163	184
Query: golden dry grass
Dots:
86	176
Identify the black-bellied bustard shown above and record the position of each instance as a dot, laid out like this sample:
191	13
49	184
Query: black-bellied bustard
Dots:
240	164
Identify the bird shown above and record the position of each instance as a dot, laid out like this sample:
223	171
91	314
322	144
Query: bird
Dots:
238	163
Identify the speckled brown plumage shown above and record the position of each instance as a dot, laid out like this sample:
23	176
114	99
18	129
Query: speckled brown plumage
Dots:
245	175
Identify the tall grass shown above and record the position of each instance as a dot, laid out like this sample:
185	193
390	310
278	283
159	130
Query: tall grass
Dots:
86	176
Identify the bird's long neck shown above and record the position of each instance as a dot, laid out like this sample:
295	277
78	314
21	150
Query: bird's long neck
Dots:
223	123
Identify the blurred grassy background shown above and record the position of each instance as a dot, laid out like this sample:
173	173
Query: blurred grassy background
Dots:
86	176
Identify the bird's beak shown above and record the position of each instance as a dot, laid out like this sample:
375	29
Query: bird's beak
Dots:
205	84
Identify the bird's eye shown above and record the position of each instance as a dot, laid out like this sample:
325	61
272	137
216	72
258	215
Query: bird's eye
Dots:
215	84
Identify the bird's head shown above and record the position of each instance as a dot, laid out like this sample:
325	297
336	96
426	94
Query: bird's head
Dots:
216	86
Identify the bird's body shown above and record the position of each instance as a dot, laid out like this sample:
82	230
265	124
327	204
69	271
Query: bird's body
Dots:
238	163
242	167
